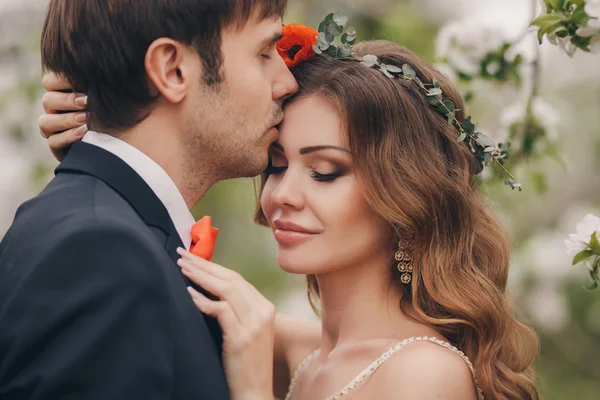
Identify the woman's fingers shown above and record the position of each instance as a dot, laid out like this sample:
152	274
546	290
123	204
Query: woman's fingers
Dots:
55	82
51	124
208	266
217	309
59	143
59	102
233	292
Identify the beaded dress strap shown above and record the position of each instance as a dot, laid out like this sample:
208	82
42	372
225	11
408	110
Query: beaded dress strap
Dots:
380	360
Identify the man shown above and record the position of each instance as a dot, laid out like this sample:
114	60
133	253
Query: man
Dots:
182	94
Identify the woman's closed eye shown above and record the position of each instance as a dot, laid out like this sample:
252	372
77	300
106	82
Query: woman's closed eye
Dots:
273	170
321	177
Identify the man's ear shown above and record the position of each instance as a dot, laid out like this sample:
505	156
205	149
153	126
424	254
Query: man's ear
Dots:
170	65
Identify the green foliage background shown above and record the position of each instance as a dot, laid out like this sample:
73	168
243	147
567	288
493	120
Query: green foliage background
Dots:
558	193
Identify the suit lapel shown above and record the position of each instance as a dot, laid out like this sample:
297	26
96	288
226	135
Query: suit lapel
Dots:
88	159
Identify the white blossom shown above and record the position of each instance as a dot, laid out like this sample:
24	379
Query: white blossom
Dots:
464	44
580	240
547	115
592	9
592	27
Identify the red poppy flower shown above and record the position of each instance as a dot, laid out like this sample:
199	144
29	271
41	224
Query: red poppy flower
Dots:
296	44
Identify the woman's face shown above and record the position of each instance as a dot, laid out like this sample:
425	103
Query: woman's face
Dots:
312	199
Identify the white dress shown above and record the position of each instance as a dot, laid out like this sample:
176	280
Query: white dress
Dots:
377	363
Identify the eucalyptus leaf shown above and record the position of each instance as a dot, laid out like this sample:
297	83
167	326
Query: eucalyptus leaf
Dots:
450	118
316	49
504	146
340	18
332	51
345	50
432	101
484	140
394	69
468	125
434	92
370	60
408	71
449	104
591	287
462	137
582	256
351	32
322	26
436	83
334	29
489	149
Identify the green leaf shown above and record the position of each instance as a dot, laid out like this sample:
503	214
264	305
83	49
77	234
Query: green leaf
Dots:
558	4
579	16
436	83
546	20
504	146
594	243
582	256
434	91
462	136
591	287
489	149
450	118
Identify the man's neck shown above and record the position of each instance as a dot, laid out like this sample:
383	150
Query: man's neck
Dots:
158	140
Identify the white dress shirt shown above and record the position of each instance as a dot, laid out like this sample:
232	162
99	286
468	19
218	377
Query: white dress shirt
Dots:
159	181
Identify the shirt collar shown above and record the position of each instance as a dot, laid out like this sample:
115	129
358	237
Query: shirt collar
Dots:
159	181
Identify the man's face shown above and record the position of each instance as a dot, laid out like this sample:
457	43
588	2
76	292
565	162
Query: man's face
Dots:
234	123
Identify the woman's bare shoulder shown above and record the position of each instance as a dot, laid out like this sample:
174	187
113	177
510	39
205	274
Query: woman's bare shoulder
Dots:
424	370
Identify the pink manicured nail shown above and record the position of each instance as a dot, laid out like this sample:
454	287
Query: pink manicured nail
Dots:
81	131
81	100
80	117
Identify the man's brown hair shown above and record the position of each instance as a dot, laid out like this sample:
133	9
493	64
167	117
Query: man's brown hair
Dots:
100	46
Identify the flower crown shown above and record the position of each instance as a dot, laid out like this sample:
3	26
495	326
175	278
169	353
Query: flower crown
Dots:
301	43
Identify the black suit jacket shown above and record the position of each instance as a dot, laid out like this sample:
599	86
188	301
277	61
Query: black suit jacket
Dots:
92	303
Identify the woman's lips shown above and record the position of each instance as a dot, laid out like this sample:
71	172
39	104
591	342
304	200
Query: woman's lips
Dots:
287	232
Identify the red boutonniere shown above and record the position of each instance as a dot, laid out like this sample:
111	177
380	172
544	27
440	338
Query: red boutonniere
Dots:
204	237
296	44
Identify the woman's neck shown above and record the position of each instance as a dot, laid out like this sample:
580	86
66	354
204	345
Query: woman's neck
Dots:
361	303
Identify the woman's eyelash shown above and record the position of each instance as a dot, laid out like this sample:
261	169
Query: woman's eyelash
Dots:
266	56
325	177
271	170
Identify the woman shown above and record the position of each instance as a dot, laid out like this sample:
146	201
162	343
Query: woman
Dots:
370	195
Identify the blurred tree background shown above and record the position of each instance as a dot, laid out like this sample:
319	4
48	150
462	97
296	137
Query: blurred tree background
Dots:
561	178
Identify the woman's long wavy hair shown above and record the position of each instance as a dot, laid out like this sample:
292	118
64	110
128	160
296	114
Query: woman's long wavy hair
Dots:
419	178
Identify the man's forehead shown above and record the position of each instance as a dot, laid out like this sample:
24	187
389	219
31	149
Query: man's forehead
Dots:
264	26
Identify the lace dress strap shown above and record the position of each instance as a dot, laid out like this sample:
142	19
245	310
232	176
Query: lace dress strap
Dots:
379	361
298	371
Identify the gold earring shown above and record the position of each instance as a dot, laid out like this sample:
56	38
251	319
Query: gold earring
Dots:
405	261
